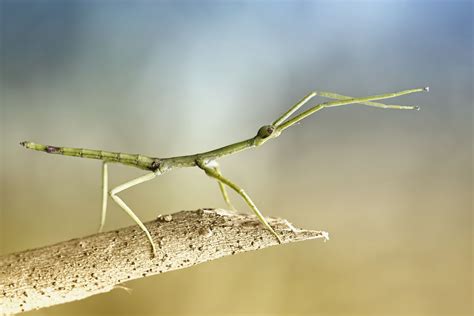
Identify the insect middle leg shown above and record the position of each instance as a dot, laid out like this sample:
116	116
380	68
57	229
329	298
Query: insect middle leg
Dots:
113	193
211	172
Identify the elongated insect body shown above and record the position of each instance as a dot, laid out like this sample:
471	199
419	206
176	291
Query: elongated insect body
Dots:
135	160
207	161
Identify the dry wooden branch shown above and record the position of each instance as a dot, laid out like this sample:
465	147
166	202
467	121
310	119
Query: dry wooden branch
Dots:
78	268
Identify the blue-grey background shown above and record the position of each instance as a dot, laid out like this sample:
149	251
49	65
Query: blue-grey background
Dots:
164	78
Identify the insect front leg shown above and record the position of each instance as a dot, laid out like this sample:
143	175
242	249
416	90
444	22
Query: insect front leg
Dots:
215	166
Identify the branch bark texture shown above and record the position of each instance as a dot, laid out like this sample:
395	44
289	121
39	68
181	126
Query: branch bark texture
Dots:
79	268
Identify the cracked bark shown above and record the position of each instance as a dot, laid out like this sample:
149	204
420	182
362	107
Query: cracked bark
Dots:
79	268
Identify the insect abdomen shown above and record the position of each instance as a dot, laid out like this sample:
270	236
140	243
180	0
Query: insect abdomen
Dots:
140	161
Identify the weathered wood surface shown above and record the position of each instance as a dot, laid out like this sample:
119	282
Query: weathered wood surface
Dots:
78	268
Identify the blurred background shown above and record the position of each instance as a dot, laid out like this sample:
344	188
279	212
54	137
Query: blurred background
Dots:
163	78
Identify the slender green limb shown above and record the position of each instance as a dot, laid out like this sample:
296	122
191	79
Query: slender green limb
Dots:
128	210
337	96
293	109
211	172
105	189
318	107
222	186
225	195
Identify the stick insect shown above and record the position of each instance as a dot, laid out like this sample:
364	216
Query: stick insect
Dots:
207	161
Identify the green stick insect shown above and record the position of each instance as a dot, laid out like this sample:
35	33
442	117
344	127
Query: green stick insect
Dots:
207	161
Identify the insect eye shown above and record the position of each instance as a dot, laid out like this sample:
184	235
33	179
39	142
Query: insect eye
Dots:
265	131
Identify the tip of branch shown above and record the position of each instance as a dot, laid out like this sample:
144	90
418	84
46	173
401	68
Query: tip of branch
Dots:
283	227
427	89
325	235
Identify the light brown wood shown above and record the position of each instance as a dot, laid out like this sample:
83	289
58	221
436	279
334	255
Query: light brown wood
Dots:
78	268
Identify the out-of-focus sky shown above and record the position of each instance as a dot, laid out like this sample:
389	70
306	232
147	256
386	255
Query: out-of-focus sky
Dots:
393	188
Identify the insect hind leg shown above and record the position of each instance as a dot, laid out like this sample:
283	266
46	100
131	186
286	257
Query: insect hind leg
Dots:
113	193
105	185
